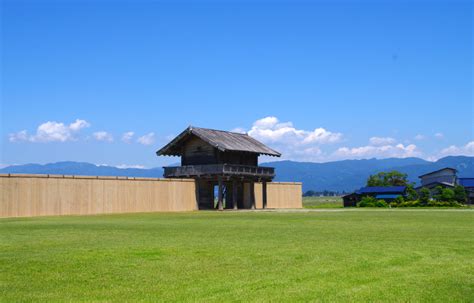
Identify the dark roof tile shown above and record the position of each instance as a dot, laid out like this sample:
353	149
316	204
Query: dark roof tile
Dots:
223	140
381	189
466	182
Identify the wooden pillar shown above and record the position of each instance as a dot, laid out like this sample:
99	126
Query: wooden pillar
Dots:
252	194
220	204
196	192
234	194
264	194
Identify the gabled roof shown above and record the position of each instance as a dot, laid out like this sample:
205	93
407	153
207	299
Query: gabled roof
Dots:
222	140
433	172
381	189
466	182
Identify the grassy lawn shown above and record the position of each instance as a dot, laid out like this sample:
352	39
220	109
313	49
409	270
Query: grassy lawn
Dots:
322	202
357	255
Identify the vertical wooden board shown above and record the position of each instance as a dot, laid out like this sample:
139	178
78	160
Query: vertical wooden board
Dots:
49	195
88	197
30	189
284	195
148	199
87	185
258	195
14	197
106	194
98	197
20	207
4	203
157	196
6	196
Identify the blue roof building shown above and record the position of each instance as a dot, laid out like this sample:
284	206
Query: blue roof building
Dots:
466	182
386	193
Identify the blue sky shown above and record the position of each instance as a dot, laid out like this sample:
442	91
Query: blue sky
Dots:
109	82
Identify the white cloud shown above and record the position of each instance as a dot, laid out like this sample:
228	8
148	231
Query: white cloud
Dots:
19	136
293	143
320	135
147	139
239	130
384	151
127	137
270	130
130	166
419	137
51	131
453	150
78	125
381	140
103	136
439	135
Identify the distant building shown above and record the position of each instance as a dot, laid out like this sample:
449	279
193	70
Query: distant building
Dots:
447	178
387	193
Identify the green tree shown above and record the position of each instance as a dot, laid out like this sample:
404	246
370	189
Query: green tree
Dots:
392	178
375	180
412	195
447	195
437	193
424	196
460	194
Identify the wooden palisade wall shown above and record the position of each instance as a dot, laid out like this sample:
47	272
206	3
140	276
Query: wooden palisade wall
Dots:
45	195
280	195
52	195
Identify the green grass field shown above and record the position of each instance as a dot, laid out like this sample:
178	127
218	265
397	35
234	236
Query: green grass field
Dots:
355	255
322	202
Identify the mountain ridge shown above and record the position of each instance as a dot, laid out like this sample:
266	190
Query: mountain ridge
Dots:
344	175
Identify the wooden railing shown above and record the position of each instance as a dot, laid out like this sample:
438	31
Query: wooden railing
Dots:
218	169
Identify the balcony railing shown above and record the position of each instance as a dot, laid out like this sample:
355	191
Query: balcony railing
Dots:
218	169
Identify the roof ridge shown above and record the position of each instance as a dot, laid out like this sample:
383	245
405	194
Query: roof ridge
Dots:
438	170
222	131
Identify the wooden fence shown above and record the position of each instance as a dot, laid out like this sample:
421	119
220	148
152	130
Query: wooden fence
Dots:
51	195
44	195
280	195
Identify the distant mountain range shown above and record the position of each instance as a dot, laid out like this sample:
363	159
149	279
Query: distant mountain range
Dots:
346	175
349	175
82	169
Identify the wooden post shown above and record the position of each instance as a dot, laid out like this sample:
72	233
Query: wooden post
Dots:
196	192
264	194
234	194
220	205
252	194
